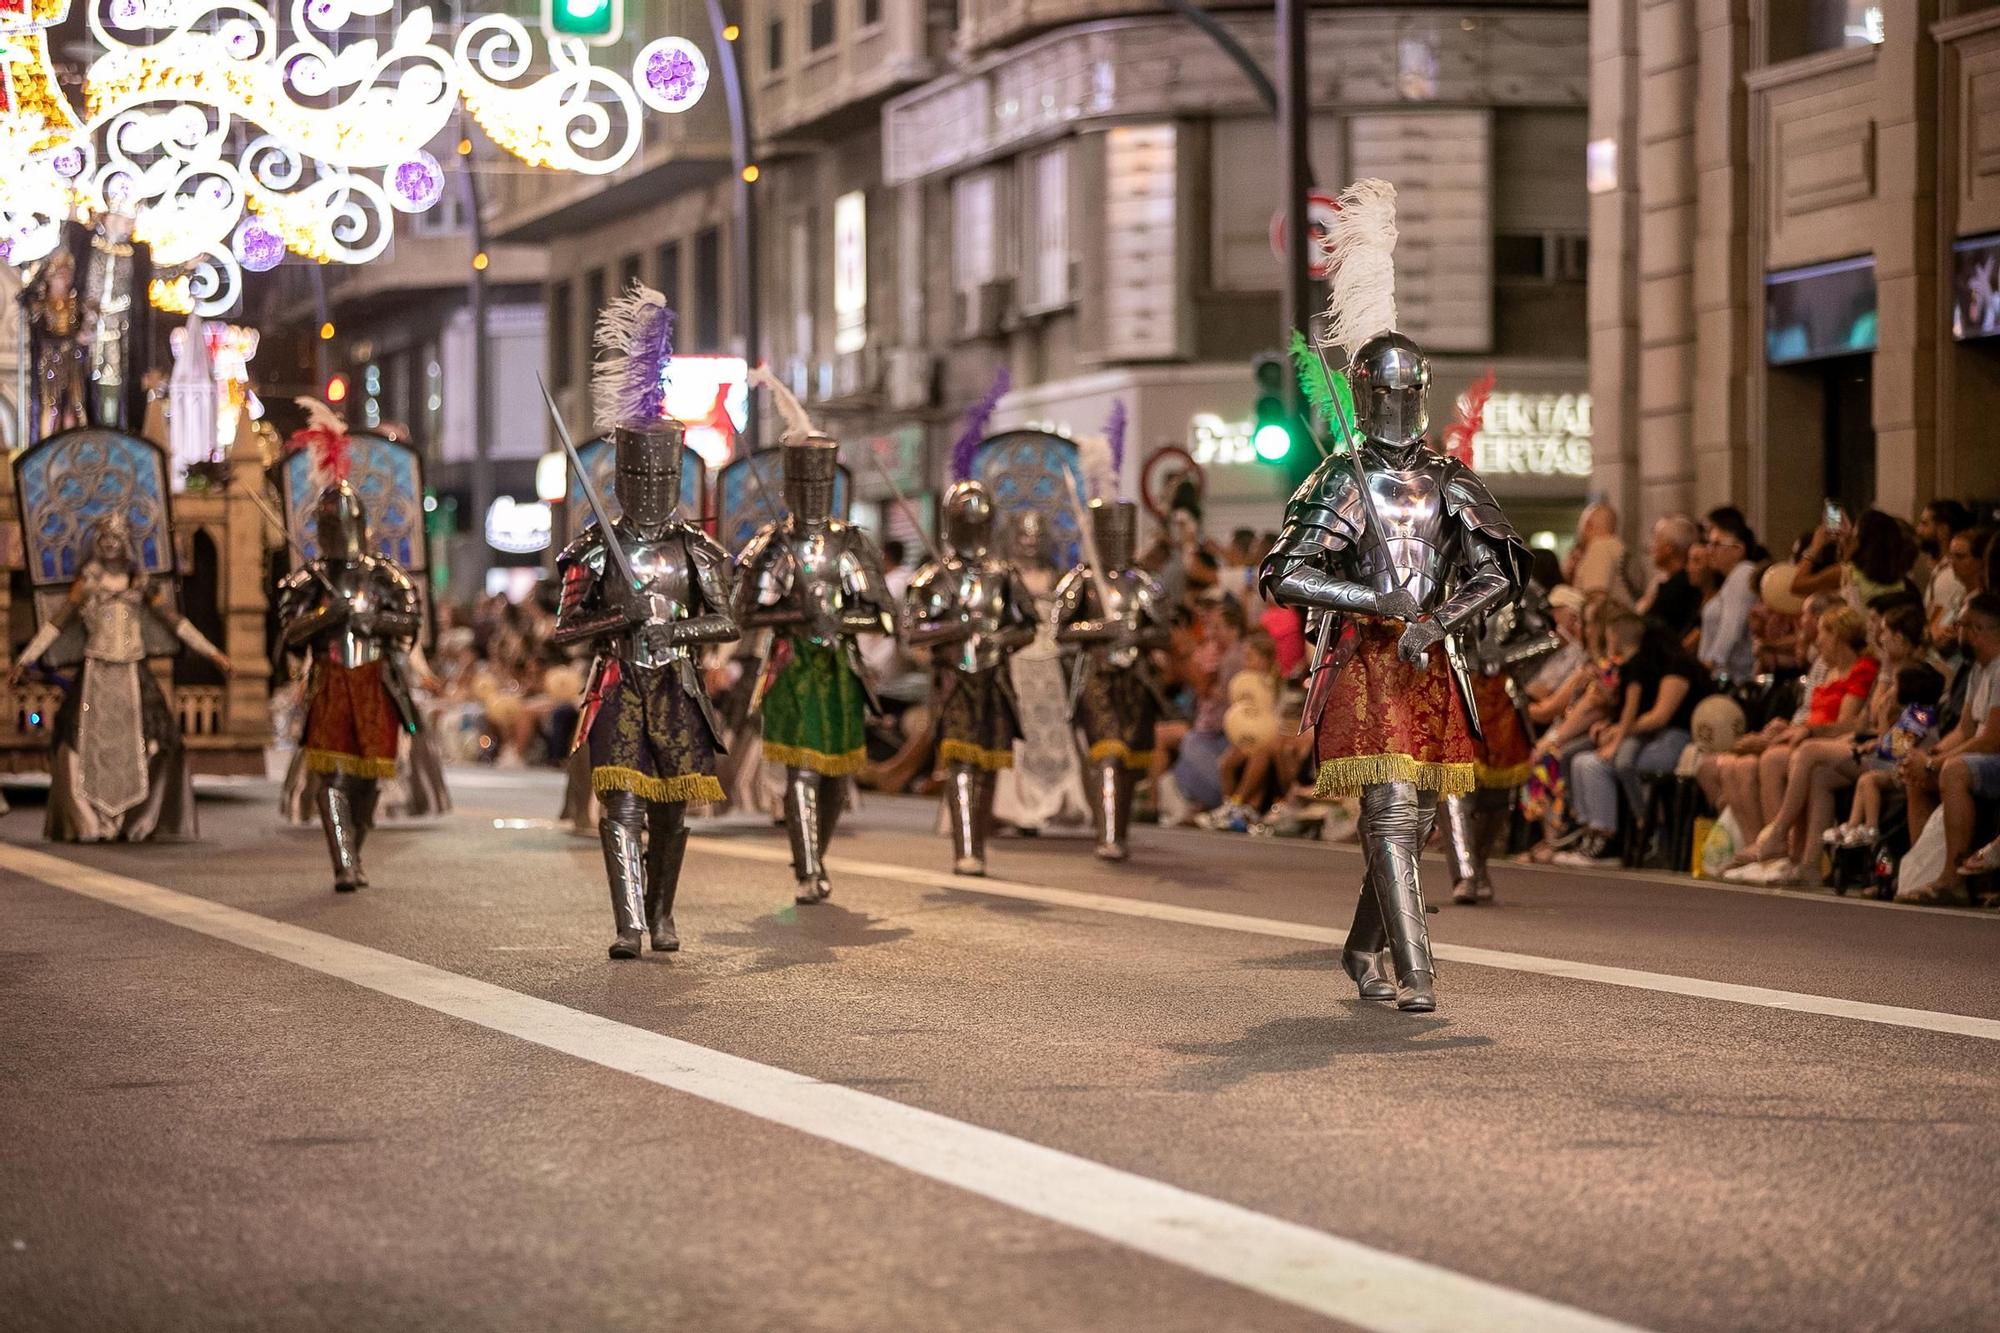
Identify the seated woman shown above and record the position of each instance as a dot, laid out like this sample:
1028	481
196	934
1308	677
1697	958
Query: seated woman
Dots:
1749	780
1659	684
1838	712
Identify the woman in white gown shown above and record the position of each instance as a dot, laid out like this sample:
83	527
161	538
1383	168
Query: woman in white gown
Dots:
1044	788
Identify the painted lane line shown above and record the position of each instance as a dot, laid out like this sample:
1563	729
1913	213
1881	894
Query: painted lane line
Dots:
1964	1025
1326	1274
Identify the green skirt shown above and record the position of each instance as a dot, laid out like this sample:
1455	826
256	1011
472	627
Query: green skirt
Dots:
815	713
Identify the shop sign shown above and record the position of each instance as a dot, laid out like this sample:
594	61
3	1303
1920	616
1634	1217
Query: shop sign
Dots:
1214	441
850	272
900	453
1534	435
518	527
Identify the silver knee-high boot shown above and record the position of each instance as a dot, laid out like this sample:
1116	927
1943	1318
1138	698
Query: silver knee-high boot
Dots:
832	802
1496	812
367	795
1395	820
666	846
1112	797
962	812
802	816
339	819
621	829
1465	847
1361	957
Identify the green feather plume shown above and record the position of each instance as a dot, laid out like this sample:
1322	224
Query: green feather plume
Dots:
1345	394
1313	379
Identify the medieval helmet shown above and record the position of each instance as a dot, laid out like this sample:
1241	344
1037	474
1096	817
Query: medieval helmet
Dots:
1392	384
968	518
811	464
648	481
1029	538
340	523
1114	525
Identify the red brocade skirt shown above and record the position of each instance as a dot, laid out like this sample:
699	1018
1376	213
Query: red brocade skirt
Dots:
1502	759
1387	720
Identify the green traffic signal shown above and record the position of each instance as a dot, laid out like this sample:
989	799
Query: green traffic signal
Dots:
1273	442
1274	430
598	22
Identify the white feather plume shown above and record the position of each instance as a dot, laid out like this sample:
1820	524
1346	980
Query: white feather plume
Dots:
321	417
1361	245
797	424
1093	459
634	342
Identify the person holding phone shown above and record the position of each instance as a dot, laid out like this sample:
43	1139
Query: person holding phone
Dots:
1861	560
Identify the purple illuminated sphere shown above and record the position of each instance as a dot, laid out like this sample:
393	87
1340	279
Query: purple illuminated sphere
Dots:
259	247
418	182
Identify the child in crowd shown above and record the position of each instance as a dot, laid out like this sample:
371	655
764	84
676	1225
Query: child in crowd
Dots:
1918	689
1251	724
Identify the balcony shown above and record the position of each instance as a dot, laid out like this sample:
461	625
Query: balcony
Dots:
871	48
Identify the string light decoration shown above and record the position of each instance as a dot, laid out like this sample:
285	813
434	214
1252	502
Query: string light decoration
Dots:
231	136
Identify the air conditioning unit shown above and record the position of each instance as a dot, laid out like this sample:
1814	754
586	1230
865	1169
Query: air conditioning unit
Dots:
912	379
858	373
983	311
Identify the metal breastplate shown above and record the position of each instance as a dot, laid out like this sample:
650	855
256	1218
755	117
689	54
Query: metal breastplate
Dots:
980	590
822	589
362	592
1410	505
111	629
1127	599
661	566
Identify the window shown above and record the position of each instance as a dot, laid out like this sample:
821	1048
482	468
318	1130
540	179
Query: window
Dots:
850	272
975	230
444	218
1809	26
798	260
562	345
593	297
871	13
1520	258
628	272
774	44
434	379
706	335
667	272
1047	222
819	24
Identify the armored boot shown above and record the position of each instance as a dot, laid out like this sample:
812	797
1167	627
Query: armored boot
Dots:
1464	847
962	812
1111	795
802	815
1361	957
666	846
1496	812
621	829
367	794
1395	820
343	836
832	802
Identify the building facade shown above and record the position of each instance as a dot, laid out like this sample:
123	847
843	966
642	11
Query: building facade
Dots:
1795	227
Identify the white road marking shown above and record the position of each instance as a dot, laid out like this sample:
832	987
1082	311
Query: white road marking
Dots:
1964	1025
1326	1274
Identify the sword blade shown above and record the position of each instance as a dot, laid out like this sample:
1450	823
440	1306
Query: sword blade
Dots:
589	488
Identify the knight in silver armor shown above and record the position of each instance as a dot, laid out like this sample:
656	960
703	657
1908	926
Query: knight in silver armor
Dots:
651	733
354	615
119	771
1512	640
1113	617
970	609
817	583
1392	554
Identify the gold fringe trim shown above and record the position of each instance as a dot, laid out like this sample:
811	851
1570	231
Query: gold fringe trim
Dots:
1499	779
1344	777
353	765
965	752
1136	760
828	765
683	787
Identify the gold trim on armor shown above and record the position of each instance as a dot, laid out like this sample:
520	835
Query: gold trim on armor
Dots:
827	765
353	765
1344	777
965	752
681	787
1499	779
1136	760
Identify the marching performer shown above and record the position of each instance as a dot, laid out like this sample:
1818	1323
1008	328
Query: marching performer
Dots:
120	771
355	615
1512	638
651	591
970	609
1114	614
1394	548
818	583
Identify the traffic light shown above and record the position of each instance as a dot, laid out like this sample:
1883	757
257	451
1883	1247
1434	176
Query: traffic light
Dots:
336	389
597	22
1273	429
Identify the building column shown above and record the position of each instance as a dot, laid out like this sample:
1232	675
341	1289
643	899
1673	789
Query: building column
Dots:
1908	312
1722	283
1667	238
1614	246
246	711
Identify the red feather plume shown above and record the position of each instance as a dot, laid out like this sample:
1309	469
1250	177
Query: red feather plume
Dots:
1471	416
326	435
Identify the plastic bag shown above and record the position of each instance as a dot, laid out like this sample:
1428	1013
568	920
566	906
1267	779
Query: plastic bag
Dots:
1924	865
1725	835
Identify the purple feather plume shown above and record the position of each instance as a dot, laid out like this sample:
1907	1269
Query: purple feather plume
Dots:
1114	435
974	431
635	341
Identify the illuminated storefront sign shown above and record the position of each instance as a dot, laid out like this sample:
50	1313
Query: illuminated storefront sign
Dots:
850	272
1535	435
519	527
1214	441
707	395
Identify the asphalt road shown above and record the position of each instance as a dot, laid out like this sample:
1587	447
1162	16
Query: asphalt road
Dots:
1074	1097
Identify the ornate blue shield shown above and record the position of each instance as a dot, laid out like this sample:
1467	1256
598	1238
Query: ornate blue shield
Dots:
1025	469
65	483
747	505
601	461
388	476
